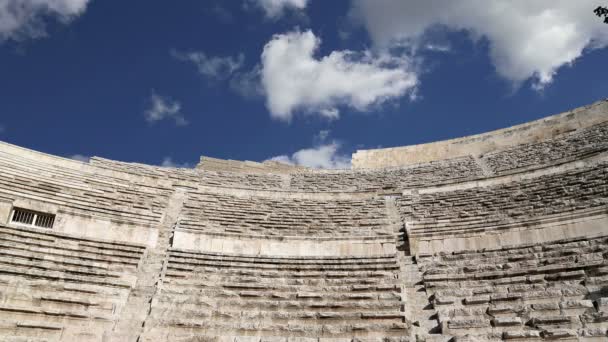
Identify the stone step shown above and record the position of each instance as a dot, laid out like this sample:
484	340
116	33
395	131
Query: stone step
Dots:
293	317
16	238
189	265
262	328
54	275
275	280
335	274
275	304
282	259
16	311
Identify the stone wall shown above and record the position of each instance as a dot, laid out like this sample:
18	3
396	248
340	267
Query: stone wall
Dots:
269	166
528	133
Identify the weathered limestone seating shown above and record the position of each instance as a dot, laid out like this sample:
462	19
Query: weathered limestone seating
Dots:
570	125
445	171
144	170
228	179
207	295
568	146
81	192
304	180
59	286
268	166
554	291
487	208
280	217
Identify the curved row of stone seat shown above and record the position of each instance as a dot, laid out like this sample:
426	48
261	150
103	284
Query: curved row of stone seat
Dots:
569	146
256	215
451	170
566	147
503	206
82	191
553	290
580	145
555	140
208	295
201	177
418	175
55	284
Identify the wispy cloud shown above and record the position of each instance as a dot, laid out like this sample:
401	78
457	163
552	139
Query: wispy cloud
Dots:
21	19
245	83
222	14
214	67
161	108
274	9
80	157
168	162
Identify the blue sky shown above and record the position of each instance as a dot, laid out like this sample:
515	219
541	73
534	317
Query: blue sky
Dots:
303	81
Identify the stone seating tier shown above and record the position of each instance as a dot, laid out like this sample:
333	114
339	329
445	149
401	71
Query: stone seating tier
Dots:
393	179
201	177
568	146
83	192
207	295
55	285
554	290
310	180
484	208
254	215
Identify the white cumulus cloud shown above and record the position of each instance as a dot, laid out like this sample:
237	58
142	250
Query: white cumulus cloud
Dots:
20	19
528	39
276	8
294	79
161	107
319	157
216	67
324	154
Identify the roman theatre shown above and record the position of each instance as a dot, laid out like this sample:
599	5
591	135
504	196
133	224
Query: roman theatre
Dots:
490	237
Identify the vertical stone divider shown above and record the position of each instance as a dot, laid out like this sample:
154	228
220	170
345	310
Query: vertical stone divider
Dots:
286	181
396	225
416	305
487	171
150	274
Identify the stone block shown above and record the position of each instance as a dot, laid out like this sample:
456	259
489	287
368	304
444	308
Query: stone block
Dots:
506	321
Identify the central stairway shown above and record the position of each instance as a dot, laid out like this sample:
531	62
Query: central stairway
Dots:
255	298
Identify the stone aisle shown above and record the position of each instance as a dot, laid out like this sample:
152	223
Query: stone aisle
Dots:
415	299
133	318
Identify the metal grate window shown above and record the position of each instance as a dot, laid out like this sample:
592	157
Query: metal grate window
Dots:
32	218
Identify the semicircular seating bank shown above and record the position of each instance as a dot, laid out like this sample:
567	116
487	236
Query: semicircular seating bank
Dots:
492	237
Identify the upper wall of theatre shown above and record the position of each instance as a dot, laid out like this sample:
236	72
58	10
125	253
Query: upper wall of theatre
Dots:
479	144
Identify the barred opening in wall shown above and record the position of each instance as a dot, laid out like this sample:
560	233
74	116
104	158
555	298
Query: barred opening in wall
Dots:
32	218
